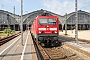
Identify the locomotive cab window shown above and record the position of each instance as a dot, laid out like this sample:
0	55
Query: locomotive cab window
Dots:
47	21
43	21
52	21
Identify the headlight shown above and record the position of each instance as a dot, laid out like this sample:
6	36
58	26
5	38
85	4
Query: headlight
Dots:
40	32
41	28
55	32
53	28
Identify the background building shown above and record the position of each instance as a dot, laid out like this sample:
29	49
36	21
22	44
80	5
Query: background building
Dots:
13	20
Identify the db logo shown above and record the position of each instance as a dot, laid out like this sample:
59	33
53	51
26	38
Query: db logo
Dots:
47	28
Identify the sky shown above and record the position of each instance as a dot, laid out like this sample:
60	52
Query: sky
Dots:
60	7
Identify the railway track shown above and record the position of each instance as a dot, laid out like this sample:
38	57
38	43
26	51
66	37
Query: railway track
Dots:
56	53
79	49
6	39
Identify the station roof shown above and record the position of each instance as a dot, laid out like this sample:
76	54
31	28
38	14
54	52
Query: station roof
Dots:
29	18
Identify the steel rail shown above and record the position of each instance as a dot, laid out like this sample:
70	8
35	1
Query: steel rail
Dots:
9	46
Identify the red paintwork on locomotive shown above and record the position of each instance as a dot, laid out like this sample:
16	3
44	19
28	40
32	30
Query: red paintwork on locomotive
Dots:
35	26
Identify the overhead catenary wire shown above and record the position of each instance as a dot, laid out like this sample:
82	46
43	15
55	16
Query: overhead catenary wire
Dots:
48	3
2	6
85	6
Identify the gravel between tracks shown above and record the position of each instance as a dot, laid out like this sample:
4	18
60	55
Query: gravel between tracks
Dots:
57	53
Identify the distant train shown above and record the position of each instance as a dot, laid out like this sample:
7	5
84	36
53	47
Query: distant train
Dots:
45	29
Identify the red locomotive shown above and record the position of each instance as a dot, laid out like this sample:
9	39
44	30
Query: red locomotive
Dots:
45	29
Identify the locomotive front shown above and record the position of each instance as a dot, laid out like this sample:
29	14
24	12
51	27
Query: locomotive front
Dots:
47	29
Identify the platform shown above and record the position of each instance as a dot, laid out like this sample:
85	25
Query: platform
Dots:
83	46
16	51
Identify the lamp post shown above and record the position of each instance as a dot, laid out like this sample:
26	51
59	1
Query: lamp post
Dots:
14	19
18	20
3	25
76	29
8	17
72	25
21	22
0	23
2	8
66	24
